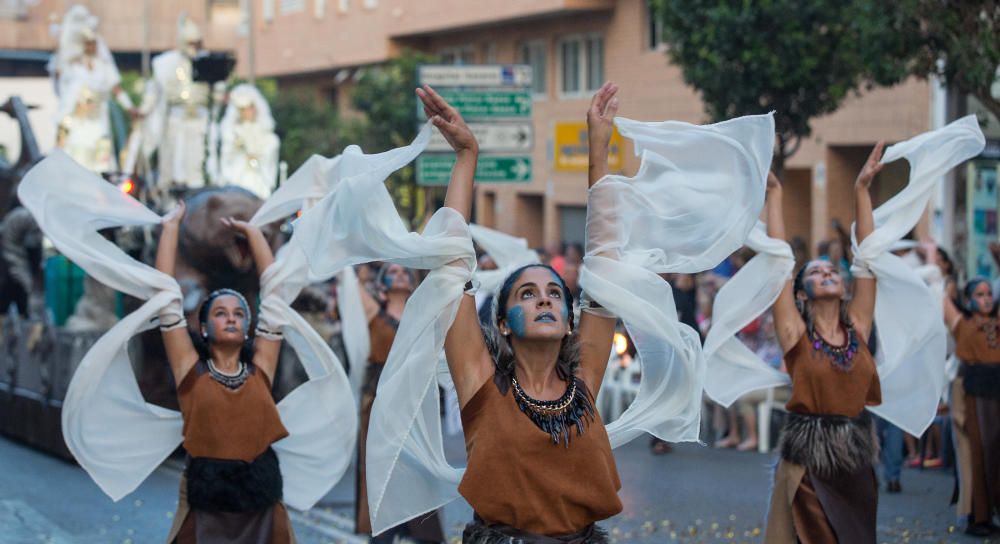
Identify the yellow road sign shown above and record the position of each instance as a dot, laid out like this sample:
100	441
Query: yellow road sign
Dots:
571	148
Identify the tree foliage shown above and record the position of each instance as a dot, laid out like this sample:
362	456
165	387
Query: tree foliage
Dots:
305	124
385	94
798	58
958	41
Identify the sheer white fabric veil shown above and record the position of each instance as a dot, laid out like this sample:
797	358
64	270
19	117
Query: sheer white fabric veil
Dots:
113	433
698	193
910	330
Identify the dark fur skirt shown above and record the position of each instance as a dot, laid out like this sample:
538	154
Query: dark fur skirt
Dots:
825	488
982	380
478	532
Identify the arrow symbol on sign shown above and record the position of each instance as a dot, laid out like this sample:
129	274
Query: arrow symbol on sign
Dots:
521	169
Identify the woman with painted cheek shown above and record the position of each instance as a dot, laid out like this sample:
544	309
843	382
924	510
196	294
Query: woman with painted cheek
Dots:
395	284
976	405
526	382
232	485
825	488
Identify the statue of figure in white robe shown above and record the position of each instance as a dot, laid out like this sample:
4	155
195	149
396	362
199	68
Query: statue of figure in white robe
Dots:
85	77
249	156
176	110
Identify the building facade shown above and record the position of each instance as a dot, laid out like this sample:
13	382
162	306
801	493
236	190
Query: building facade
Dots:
573	46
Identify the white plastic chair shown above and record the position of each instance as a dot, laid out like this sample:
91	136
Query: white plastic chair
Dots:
764	421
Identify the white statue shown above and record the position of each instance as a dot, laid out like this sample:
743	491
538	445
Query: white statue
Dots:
249	157
176	110
85	77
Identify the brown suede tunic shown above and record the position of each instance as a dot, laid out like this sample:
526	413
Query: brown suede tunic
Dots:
516	475
972	345
222	423
818	388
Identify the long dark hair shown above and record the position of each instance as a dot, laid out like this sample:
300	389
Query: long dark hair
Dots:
500	346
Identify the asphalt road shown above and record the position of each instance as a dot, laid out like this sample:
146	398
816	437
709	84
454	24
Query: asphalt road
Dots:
696	494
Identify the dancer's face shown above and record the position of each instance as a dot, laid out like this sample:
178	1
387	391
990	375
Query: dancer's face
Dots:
397	278
536	309
227	321
821	281
981	301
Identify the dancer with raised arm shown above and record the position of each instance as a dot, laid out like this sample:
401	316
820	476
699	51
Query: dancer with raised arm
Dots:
527	389
825	488
232	484
249	456
977	417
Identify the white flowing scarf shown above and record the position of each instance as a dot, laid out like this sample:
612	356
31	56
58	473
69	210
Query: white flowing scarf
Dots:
733	369
115	435
509	252
684	213
910	330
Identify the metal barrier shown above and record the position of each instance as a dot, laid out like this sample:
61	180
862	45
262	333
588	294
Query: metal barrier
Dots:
37	362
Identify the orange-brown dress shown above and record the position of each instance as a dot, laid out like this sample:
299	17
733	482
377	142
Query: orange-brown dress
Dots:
224	424
381	332
518	477
977	345
806	507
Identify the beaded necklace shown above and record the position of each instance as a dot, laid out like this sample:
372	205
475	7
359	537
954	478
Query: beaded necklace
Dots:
556	417
231	381
988	326
842	357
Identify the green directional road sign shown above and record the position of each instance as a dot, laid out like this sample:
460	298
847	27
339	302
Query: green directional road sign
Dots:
436	169
488	104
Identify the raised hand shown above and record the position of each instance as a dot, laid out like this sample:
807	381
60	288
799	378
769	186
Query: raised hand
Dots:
600	116
448	121
175	216
871	168
237	225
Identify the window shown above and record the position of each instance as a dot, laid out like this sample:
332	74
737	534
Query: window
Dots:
463	54
534	54
268	10
292	6
490	53
655	27
582	64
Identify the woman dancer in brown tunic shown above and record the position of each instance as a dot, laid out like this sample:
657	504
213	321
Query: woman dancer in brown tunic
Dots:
232	486
825	489
395	284
977	421
526	388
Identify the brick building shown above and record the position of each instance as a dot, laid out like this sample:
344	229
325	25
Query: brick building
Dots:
572	46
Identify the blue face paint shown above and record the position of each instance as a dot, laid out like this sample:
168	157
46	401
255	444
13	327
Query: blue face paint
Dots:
211	330
515	320
387	281
564	309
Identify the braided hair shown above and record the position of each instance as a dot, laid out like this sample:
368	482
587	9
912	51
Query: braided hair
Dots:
501	347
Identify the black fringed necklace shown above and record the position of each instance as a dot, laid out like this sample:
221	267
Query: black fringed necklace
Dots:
557	417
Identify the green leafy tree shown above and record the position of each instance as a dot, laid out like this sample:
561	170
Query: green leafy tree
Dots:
798	58
384	94
306	125
958	41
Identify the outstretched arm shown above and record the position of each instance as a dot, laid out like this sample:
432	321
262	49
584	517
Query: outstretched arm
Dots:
788	322
862	309
265	348
181	354
597	330
469	361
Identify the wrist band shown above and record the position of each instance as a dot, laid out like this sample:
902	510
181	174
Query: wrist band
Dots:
181	322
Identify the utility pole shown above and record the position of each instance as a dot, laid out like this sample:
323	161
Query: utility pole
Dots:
145	39
251	45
